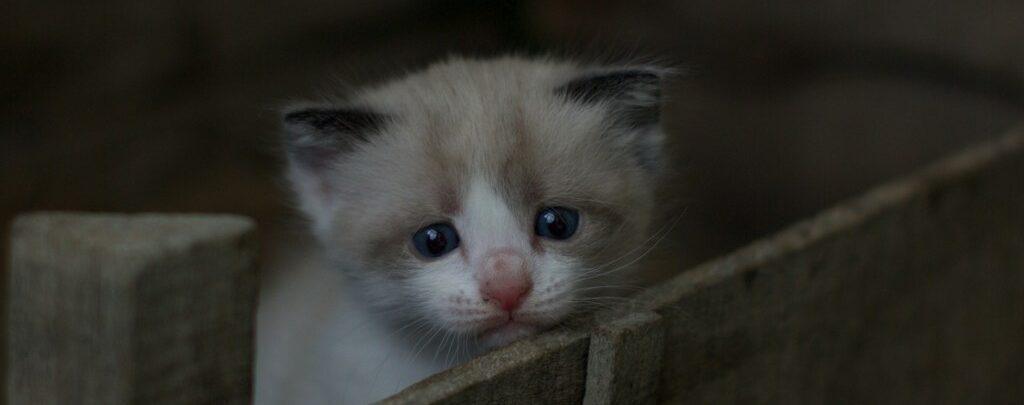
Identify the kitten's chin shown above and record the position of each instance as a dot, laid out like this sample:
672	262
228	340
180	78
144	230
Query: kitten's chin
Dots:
503	335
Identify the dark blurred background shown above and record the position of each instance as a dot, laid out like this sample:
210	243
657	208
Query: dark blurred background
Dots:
787	107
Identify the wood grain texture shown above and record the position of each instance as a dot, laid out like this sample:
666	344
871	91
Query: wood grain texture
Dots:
116	309
911	293
624	365
549	369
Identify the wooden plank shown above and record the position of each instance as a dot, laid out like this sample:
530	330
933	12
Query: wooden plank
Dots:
549	369
913	293
113	309
624	365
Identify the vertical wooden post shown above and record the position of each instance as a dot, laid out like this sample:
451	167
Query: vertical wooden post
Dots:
624	364
115	309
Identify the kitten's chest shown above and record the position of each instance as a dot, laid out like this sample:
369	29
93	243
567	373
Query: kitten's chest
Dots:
316	344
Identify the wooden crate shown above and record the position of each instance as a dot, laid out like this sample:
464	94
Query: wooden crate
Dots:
913	292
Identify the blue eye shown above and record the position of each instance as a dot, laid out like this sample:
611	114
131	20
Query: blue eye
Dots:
557	222
435	240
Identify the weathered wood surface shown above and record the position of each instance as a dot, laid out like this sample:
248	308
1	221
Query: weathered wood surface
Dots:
115	309
912	293
550	369
624	365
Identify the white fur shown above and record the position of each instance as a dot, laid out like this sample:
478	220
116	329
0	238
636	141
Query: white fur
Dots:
455	129
317	344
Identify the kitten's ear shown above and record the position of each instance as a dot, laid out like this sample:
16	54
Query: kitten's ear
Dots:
633	96
634	93
315	138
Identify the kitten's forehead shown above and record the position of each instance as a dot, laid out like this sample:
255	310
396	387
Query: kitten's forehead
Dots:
465	127
499	119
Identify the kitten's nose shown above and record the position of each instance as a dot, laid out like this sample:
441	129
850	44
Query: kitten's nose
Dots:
505	281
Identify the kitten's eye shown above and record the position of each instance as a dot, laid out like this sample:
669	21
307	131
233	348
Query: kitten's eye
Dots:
557	222
435	240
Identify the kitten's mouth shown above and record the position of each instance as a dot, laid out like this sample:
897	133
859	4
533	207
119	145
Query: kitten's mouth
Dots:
506	332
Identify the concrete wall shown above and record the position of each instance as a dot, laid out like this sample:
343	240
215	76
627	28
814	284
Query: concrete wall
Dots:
913	292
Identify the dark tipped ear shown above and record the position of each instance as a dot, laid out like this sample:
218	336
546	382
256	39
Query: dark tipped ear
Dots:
316	136
314	139
633	97
635	94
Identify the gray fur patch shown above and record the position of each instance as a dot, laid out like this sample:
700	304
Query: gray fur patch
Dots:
314	136
634	99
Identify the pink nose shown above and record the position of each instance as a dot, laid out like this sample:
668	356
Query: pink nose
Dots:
505	281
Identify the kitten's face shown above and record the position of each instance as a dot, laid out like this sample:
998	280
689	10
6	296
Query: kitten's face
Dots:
489	199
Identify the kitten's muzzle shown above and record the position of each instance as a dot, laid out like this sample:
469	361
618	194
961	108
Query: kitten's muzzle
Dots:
505	281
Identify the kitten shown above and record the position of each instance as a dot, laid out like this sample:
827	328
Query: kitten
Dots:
462	207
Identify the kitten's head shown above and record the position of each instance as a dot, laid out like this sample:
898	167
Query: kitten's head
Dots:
488	198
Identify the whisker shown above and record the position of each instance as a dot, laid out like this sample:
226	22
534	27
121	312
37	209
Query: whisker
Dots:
636	259
602	287
659	234
444	338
